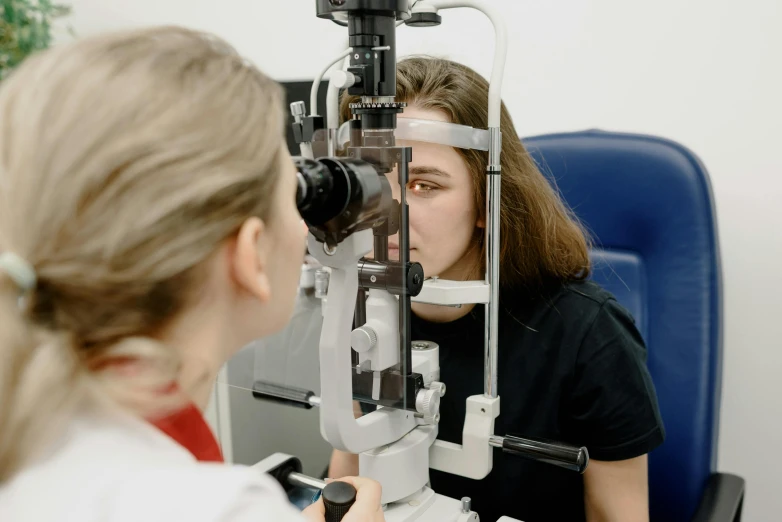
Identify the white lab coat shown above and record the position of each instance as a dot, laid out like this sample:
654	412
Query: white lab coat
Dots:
115	468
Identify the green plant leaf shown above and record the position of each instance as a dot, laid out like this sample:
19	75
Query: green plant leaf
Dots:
25	27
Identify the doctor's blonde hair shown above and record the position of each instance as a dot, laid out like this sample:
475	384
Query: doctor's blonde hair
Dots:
126	160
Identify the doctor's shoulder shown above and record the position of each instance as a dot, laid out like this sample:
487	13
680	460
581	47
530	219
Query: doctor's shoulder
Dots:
170	484
115	468
207	492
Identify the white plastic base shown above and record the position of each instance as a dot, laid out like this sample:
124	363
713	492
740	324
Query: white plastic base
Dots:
424	505
402	467
428	506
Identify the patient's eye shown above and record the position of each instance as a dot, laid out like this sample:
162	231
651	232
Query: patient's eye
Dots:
422	188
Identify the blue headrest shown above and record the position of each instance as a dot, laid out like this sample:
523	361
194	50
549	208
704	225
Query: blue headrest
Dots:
649	206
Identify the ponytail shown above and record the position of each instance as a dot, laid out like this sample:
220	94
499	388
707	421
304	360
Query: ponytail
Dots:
40	382
45	381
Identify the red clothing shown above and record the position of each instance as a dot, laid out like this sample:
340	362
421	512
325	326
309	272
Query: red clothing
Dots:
189	428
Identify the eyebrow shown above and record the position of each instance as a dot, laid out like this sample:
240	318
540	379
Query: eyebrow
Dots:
423	170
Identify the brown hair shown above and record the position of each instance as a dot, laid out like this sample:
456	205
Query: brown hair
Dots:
126	160
541	240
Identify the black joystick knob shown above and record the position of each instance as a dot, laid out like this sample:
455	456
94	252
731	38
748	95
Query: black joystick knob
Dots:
337	498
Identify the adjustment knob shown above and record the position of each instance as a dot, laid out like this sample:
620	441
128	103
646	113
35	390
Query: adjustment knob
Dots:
427	402
337	499
439	387
298	110
363	339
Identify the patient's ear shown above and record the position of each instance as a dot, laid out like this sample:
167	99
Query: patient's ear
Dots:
250	259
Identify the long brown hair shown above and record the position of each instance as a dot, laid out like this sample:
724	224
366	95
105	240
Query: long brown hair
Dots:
541	240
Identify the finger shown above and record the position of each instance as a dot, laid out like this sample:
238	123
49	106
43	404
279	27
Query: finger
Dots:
367	490
360	515
368	496
315	512
368	485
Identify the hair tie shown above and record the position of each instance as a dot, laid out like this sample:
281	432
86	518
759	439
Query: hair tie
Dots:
19	270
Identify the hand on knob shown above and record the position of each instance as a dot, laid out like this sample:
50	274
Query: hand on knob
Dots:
366	508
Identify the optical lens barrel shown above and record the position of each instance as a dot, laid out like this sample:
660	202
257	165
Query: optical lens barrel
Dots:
340	196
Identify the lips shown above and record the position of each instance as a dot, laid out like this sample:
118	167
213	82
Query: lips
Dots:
393	252
396	249
394	246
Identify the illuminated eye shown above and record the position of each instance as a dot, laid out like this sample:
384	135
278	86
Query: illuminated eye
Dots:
420	187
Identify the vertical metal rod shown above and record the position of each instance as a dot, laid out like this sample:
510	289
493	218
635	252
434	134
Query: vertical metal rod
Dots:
356	134
332	143
360	314
381	248
405	348
492	263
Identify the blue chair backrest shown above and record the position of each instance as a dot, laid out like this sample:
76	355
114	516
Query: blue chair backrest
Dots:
648	204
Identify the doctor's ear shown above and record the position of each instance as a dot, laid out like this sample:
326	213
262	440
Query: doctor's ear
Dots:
250	260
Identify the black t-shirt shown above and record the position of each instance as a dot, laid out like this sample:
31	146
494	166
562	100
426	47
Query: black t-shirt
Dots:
571	369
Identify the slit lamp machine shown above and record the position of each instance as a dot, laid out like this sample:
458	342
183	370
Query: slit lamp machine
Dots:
366	352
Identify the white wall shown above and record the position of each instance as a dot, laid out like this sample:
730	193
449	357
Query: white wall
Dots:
703	72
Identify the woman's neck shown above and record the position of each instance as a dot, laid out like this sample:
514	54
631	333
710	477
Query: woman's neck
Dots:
198	342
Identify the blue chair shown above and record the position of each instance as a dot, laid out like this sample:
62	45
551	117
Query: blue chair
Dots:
648	204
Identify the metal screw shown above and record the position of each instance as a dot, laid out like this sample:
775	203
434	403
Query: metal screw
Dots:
329	250
373	279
